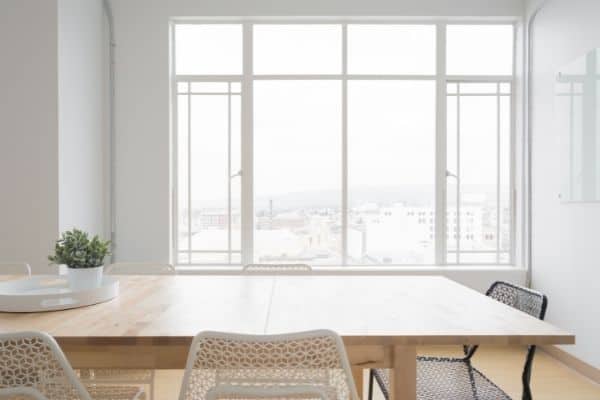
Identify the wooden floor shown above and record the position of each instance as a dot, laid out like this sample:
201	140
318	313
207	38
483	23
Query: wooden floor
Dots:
551	380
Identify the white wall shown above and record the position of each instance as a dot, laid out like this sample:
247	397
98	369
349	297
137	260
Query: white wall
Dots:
142	155
28	131
51	116
566	251
82	131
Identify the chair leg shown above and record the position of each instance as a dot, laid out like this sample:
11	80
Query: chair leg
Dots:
151	389
371	378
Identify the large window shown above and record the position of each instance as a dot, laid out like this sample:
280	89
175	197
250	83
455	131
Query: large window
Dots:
328	143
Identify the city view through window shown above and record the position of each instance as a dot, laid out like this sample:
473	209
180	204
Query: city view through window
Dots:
344	145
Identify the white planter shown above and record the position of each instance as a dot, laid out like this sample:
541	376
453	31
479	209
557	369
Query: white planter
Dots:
85	278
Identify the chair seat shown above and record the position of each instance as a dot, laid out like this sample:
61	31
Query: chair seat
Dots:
105	392
447	379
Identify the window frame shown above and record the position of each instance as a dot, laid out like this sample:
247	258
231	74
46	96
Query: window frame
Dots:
247	78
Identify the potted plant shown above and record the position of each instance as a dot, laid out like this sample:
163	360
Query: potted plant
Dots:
83	256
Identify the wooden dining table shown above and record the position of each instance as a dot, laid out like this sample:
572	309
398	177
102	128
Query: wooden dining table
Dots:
382	319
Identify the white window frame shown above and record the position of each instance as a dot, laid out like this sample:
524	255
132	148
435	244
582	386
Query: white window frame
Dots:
247	78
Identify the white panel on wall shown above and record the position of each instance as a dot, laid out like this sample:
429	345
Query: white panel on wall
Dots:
28	131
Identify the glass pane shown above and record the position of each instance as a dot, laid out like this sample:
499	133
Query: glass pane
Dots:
236	177
505	219
478	173
391	162
183	258
391	49
209	87
478	258
451	180
297	49
478	88
479	49
297	171
214	182
182	87
210	49
183	233
452	88
210	258
210	174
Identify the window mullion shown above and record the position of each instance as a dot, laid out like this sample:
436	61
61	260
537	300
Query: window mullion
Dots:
247	208
498	172
440	170
344	144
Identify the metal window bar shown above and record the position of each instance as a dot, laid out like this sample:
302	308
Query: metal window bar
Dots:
458	174
498	169
189	176
344	144
229	175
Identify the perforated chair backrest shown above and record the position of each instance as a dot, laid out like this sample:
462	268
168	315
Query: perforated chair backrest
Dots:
528	301
277	269
15	269
34	360
314	358
301	392
523	299
140	269
21	393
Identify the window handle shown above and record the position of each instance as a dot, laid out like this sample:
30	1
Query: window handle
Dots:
239	173
450	175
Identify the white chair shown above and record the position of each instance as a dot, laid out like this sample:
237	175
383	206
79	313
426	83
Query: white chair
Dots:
140	269
15	269
144	377
301	392
34	360
21	393
277	268
315	359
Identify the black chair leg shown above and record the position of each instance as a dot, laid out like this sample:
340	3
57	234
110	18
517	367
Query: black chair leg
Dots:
371	377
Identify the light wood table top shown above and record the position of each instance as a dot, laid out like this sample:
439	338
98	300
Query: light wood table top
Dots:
402	310
380	318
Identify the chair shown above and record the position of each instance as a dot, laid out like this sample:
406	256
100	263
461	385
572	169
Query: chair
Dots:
227	392
315	358
21	393
140	269
456	378
15	269
277	268
33	365
143	377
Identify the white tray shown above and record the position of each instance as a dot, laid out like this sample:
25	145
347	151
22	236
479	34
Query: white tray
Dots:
52	292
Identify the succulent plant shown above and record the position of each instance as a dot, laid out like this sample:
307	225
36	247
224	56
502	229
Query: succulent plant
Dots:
77	250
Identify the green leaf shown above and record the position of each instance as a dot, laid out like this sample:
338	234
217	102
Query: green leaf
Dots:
75	249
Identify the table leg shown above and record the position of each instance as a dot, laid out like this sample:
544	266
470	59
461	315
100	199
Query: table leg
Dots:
357	374
404	373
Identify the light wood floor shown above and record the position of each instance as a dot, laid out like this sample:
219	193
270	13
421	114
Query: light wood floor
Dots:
551	379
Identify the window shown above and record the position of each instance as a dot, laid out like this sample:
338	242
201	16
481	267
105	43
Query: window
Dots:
321	143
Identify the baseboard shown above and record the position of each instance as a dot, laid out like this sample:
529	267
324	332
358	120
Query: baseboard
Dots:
573	362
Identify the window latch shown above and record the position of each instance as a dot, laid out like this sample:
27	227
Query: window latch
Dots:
239	173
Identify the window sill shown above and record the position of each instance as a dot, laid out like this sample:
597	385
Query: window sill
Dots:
364	270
